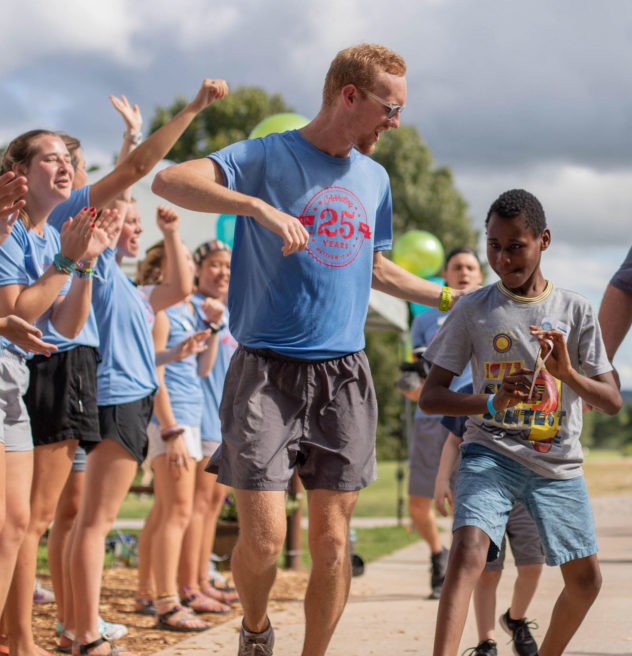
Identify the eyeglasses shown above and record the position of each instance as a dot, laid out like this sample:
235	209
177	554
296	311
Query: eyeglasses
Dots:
391	109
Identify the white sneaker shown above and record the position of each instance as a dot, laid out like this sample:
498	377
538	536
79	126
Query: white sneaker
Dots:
110	630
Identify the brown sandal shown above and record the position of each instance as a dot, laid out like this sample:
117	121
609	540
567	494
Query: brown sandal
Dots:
200	603
84	649
180	623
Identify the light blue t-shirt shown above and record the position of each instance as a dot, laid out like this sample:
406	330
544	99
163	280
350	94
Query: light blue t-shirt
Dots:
422	331
127	371
213	384
181	377
312	304
24	257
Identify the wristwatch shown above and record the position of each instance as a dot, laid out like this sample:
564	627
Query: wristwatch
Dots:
134	137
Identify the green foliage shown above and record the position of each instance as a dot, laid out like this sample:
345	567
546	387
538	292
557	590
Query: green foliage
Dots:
423	198
601	431
221	123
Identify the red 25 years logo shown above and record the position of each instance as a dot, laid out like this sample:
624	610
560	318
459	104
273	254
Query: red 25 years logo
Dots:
336	221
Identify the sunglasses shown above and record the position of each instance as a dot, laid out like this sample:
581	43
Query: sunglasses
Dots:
391	109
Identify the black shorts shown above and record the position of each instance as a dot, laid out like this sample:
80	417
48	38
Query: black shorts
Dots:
127	424
62	396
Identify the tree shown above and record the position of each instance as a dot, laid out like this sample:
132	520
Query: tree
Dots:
423	198
220	124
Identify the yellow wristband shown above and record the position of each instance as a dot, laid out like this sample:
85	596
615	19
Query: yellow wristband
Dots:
446	299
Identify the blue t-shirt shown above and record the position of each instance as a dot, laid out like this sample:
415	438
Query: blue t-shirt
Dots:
422	332
213	384
24	257
181	377
127	371
312	304
456	425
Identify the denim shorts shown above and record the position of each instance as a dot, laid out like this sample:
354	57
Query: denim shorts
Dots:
487	486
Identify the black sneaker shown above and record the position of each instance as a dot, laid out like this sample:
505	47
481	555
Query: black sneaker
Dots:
523	642
439	565
485	648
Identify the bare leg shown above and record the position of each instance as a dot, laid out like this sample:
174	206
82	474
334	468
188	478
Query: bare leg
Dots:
524	589
485	603
330	579
65	514
51	466
17	488
262	526
423	516
466	563
146	580
192	541
582	581
110	470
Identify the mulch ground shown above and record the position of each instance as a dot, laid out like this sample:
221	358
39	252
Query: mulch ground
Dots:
117	605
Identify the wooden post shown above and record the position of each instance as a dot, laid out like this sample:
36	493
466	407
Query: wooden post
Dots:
293	536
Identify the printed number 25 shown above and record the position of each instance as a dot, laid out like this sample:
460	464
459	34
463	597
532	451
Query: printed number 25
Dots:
344	234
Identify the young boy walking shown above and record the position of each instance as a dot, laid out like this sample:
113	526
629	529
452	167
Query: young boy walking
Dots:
536	353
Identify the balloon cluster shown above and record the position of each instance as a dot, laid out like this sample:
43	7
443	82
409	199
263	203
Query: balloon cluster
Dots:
283	122
421	253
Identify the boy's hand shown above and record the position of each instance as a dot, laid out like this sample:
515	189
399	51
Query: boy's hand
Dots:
514	389
210	91
558	363
443	493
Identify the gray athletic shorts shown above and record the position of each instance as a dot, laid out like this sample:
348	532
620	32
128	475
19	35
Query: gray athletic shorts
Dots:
279	413
15	427
524	540
424	455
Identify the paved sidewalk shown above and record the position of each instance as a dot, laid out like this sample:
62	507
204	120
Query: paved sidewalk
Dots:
388	614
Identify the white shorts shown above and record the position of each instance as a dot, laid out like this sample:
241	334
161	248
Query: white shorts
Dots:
209	447
158	447
15	427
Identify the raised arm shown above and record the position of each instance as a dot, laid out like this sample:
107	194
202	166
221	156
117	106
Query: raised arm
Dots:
199	185
177	277
132	135
143	159
390	278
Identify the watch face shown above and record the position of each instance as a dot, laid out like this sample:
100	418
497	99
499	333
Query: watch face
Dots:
137	137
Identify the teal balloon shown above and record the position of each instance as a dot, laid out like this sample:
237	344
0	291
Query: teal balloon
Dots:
278	123
225	228
419	252
418	308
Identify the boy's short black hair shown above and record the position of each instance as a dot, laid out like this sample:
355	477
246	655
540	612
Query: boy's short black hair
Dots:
457	251
518	202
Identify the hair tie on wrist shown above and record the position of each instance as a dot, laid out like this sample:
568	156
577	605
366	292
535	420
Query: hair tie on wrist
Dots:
490	405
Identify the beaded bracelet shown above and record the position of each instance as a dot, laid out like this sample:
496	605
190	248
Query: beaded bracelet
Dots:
446	299
63	264
85	273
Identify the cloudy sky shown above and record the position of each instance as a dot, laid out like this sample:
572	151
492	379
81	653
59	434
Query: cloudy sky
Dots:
507	93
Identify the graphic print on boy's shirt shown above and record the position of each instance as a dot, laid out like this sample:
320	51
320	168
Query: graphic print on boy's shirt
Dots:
540	419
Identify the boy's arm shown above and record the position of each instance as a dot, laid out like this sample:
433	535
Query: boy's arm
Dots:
437	398
449	458
599	391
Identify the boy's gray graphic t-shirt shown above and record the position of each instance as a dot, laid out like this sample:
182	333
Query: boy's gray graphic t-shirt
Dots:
490	328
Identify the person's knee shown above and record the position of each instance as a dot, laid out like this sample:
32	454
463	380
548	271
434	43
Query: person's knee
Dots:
263	547
15	526
329	549
585	584
469	549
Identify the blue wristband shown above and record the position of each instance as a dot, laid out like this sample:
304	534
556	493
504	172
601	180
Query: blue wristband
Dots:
490	405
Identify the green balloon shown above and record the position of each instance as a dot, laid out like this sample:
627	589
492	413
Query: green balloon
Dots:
278	123
419	252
